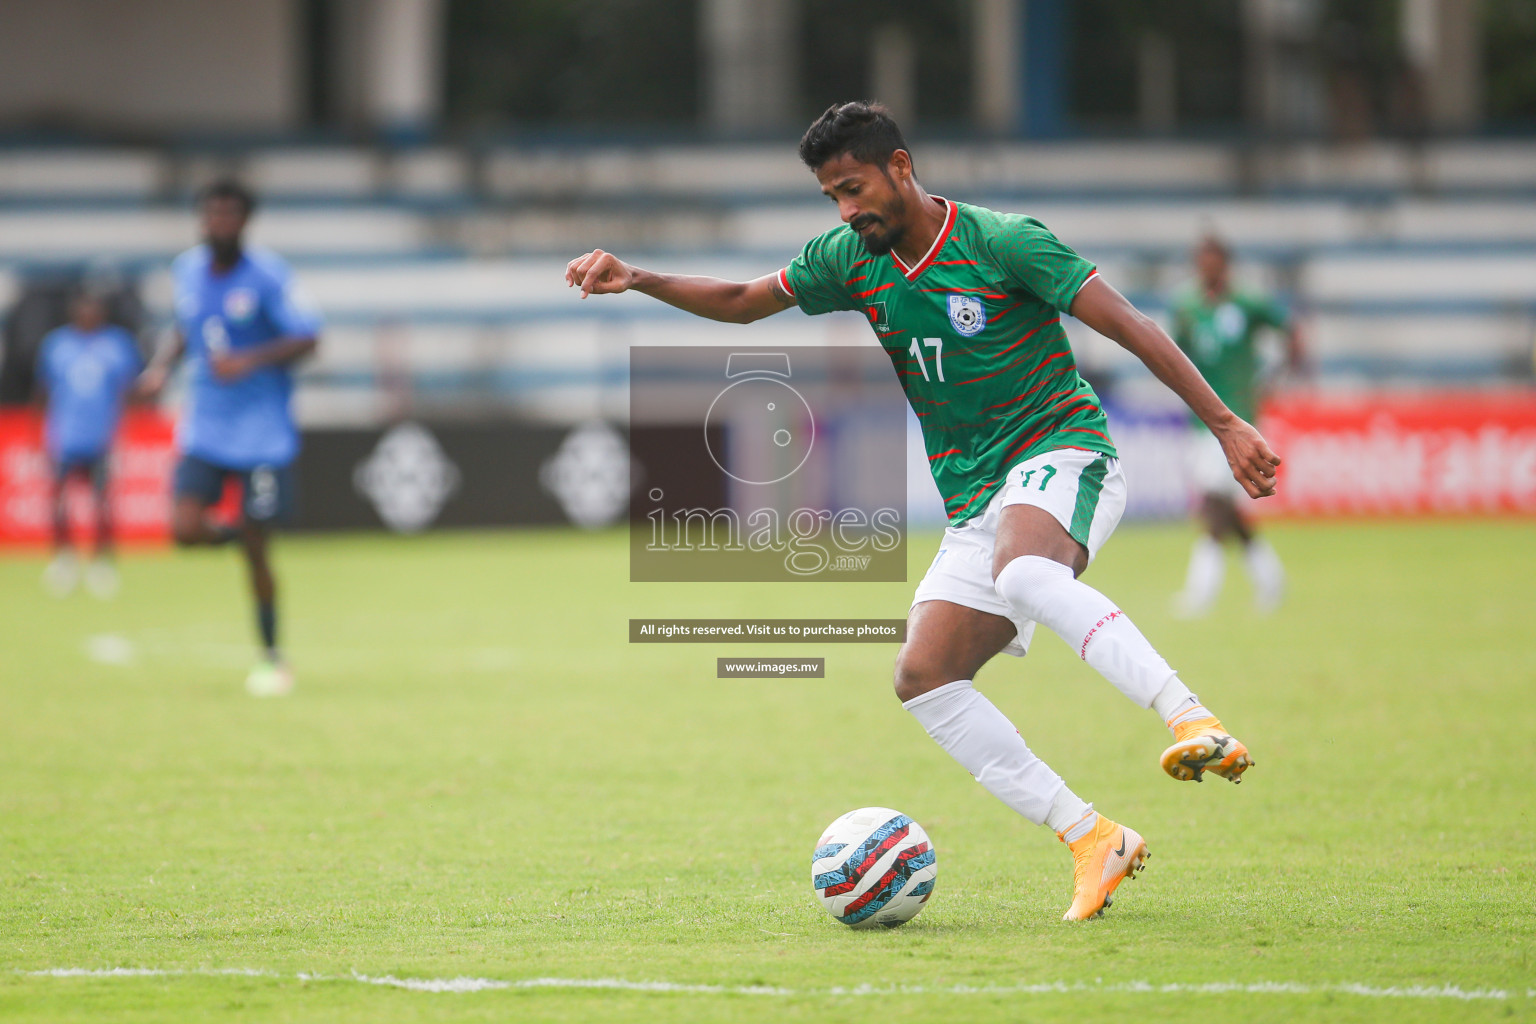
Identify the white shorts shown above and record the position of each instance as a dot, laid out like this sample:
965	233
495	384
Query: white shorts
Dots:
1084	491
1207	466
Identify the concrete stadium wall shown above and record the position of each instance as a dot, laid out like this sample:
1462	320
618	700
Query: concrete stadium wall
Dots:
150	64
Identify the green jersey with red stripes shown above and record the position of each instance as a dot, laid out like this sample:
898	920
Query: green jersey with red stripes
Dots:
974	331
1220	337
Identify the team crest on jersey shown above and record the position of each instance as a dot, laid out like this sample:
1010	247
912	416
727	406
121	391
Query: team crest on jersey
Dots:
877	315
1230	320
239	304
967	314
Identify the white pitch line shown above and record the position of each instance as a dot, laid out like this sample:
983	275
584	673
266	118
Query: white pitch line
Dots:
482	984
464	984
425	984
148	972
1195	988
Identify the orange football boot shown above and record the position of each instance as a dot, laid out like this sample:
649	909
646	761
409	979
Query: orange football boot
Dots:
1100	861
1205	745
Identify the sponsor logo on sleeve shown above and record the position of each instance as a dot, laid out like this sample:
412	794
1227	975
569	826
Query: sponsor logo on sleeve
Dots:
878	317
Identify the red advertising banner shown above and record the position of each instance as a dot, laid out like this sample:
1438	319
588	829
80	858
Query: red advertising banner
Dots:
141	461
1466	453
1377	454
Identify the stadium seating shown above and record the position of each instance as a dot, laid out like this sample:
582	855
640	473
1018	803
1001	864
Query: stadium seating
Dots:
439	269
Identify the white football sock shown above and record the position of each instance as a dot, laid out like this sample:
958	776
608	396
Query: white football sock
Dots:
1265	571
1173	700
1101	634
1203	578
1176	705
972	731
1069	817
1191	713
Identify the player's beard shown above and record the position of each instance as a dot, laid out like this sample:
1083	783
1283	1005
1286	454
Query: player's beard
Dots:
226	251
877	242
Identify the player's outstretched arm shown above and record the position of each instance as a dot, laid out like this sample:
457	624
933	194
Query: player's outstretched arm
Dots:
1104	309
1295	349
279	352
735	302
152	381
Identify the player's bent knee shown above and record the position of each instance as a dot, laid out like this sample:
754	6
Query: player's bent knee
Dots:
1026	583
186	526
914	677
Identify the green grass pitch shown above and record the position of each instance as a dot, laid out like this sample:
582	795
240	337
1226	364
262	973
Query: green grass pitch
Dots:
478	778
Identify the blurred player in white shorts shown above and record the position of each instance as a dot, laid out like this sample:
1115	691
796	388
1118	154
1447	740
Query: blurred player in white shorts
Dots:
1207	466
1219	327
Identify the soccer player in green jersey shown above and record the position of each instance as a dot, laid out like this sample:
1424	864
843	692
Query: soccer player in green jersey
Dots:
1218	326
968	302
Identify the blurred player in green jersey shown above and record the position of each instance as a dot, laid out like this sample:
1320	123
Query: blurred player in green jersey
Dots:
1218	327
967	302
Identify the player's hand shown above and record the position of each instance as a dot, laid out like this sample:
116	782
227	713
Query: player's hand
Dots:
150	383
1253	463
230	365
599	273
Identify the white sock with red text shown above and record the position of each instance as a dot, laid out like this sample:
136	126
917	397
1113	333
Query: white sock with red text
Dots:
1101	634
972	731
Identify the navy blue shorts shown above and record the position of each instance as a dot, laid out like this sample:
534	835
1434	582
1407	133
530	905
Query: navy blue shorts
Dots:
92	467
267	491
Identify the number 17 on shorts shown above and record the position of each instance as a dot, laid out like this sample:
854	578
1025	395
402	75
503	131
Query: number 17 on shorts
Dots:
1084	491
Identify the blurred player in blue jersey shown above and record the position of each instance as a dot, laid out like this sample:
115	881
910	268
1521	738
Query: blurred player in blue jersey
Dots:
242	330
85	369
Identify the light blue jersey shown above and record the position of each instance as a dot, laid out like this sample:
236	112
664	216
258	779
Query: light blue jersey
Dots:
244	423
87	377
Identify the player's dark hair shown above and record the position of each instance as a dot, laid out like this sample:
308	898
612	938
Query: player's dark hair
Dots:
229	188
864	131
95	288
1211	240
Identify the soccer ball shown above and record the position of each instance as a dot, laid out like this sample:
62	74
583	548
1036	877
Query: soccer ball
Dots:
874	866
